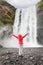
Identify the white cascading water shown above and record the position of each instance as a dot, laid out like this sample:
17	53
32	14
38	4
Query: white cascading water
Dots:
25	22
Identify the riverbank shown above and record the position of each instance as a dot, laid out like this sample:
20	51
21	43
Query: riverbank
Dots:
31	56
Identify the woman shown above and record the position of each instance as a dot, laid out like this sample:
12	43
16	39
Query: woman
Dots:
20	39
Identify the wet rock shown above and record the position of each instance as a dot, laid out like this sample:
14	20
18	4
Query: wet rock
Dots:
12	58
1	46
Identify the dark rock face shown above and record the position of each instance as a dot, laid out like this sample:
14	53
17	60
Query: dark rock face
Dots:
4	3
40	27
32	58
1	46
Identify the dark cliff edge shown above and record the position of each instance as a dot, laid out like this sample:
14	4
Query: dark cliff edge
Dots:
40	27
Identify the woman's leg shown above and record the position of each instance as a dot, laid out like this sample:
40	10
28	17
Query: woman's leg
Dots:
21	50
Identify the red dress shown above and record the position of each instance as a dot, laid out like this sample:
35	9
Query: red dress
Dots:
20	38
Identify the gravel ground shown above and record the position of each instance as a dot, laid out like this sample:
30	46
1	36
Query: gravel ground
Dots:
31	56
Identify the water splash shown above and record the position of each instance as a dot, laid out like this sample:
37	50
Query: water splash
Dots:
25	21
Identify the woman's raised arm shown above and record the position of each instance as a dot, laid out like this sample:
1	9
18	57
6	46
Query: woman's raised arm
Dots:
25	35
15	36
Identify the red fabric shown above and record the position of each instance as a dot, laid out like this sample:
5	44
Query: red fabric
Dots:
25	35
20	38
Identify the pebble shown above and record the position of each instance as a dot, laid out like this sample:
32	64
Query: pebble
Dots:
10	58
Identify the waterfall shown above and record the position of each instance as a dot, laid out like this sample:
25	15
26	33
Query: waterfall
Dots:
26	22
